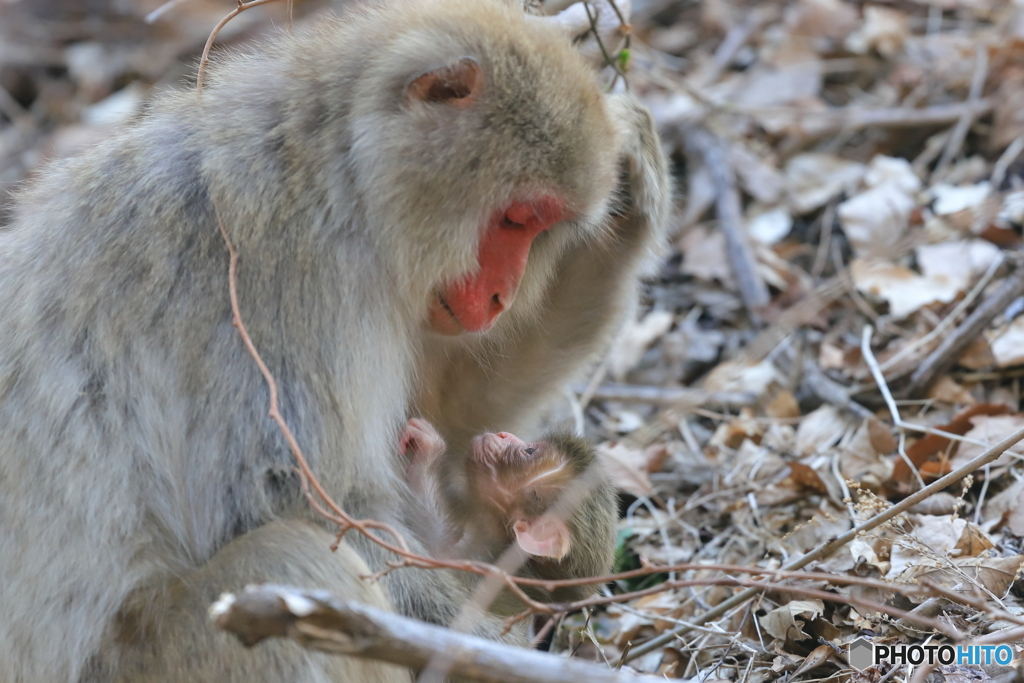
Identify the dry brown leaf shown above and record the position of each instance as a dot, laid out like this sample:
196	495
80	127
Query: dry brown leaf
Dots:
881	436
860	460
783	405
947	390
931	445
978	355
972	541
824	20
805	477
818	656
1009	107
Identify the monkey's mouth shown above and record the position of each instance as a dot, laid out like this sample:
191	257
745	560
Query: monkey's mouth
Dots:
443	319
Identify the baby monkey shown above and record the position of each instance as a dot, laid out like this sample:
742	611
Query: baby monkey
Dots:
551	498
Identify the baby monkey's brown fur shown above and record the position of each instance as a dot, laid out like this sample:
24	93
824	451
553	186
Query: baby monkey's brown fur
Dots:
551	498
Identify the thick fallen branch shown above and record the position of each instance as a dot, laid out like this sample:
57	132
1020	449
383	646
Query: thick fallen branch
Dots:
682	397
815	124
320	621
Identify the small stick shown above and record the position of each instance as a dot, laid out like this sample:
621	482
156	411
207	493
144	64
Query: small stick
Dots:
963	124
242	6
753	290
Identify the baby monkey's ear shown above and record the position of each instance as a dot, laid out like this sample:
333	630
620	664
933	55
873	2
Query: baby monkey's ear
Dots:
546	536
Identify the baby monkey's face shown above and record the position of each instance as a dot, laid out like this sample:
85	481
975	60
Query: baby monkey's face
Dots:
521	479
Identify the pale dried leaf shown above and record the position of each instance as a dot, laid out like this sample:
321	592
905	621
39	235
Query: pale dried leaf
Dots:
634	340
786	622
768	227
904	290
813	179
858	459
875	220
627	467
947	390
950	199
1007	344
742	375
820	430
704	256
884	30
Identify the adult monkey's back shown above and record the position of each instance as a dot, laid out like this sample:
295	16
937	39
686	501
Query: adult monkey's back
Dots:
367	171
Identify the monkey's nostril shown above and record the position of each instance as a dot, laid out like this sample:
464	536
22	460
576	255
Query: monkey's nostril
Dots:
518	215
497	305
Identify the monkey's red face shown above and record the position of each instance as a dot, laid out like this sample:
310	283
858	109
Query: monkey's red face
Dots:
474	303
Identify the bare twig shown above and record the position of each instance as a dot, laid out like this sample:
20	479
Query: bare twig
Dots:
963	124
753	290
820	384
320	621
205	59
1002	165
163	9
734	40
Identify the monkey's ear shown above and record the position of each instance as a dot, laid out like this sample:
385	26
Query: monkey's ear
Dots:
457	84
545	537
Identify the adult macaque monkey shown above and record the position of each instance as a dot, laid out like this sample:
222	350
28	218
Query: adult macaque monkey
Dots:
550	497
570	303
573	297
376	174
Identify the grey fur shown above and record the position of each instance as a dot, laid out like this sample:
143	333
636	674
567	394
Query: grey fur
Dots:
139	474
